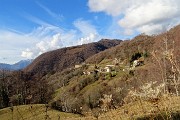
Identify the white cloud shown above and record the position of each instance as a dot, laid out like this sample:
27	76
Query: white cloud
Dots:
53	14
48	39
151	29
85	27
111	7
36	20
91	38
16	45
27	54
52	44
88	32
12	43
148	16
10	56
14	40
43	46
128	32
52	37
44	38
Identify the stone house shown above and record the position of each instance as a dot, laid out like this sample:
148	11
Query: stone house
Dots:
138	62
77	66
109	68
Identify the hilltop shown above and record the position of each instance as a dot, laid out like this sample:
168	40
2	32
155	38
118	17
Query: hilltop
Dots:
140	43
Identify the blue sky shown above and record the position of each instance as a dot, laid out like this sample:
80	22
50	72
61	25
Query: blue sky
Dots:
29	28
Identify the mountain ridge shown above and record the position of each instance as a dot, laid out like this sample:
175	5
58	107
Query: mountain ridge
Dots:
60	59
16	66
140	43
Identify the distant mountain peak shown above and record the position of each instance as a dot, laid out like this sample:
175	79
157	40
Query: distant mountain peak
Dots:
17	66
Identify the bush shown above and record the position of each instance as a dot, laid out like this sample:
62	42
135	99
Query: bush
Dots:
92	100
78	72
108	76
85	81
113	73
56	105
145	54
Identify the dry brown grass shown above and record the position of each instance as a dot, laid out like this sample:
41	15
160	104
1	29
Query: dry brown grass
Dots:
139	109
33	112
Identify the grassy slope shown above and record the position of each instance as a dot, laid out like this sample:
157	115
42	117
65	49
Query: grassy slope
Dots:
167	108
135	110
37	112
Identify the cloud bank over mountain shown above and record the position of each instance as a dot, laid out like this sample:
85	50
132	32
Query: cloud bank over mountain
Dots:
52	38
144	16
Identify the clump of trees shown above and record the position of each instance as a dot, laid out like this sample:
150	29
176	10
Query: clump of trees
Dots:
19	88
168	64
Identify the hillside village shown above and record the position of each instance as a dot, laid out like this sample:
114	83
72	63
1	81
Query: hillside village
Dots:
119	83
111	66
